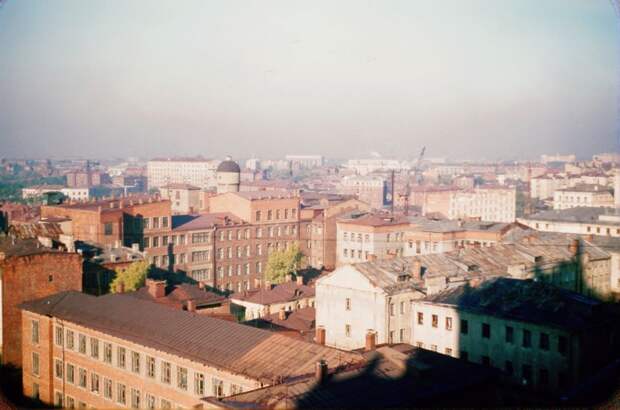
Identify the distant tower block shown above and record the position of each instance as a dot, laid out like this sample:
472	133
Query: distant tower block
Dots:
228	176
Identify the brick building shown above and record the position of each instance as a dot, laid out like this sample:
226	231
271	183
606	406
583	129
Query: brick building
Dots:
120	351
30	271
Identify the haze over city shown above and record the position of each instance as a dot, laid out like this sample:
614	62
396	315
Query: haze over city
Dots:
467	79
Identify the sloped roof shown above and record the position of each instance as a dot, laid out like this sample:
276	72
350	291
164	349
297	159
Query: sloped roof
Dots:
284	292
232	347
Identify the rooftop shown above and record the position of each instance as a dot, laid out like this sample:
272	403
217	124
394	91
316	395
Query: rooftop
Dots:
526	301
374	219
284	292
180	186
587	188
178	295
580	214
206	221
267	194
244	350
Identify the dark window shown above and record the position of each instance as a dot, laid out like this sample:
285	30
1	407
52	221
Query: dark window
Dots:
508	368
420	318
464	326
526	373
527	338
435	320
50	278
543	377
563	380
562	345
464	355
486	330
544	341
107	228
510	334
486	361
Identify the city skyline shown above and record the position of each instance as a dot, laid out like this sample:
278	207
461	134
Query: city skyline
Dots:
475	80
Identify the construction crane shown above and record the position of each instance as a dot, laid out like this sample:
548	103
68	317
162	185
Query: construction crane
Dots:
416	172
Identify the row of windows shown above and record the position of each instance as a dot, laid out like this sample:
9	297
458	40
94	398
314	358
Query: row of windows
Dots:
132	361
279	214
402	334
509	333
154	222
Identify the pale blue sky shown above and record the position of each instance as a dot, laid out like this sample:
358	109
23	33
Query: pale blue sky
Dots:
466	78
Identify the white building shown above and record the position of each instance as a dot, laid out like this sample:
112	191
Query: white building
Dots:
76	194
367	166
493	204
305	161
38	190
580	220
557	158
516	326
357	299
583	195
194	171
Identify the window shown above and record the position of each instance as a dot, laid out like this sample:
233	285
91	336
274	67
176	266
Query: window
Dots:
347	304
70	340
59	336
392	310
165	372
150	401
527	338
120	357
434	320
508	368
135	362
434	348
121	394
150	367
402	335
199	384
94	348
464	326
70	402
57	399
218	387
402	307
82	377
486	330
269	215
526	373
420	318
235	389
391	337
70	373
448	323
135	399
107	388
164	222
82	344
58	368
94	383
448	351
107	353
35	391
35	363
107	229
182	378
509	334
347	330
258	214
544	341
562	345
155	222
34	331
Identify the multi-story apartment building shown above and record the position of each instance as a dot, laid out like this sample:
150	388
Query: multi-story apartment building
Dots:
518	327
583	195
367	236
579	220
305	161
115	221
75	194
557	158
322	231
121	351
29	270
200	172
357	299
543	187
371	189
370	165
184	198
494	204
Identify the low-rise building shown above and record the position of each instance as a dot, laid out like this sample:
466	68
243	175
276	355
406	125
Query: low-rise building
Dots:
184	198
371	189
579	220
120	351
496	204
539	335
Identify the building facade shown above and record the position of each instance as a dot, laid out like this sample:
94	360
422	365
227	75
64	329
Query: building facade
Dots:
194	171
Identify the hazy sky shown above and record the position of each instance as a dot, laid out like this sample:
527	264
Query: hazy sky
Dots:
466	78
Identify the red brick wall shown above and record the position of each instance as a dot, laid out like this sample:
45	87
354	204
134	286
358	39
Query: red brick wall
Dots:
26	278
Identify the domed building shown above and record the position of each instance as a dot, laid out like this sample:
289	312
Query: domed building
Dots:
228	175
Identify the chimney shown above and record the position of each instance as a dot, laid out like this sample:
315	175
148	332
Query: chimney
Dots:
300	280
156	288
282	314
574	247
111	204
371	341
416	270
120	287
267	285
321	371
191	306
320	335
289	277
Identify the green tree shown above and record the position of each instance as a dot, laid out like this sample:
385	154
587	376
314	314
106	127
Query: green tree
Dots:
133	277
283	262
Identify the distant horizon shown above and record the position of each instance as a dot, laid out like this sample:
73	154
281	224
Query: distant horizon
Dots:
475	79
